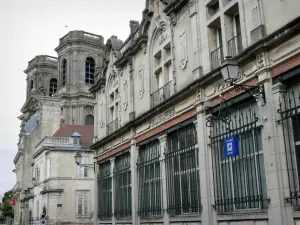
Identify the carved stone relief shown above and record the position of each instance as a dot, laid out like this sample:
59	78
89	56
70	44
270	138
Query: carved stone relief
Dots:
183	50
125	103
163	117
142	80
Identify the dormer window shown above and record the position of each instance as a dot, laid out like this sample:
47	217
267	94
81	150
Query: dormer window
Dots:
64	72
52	87
90	71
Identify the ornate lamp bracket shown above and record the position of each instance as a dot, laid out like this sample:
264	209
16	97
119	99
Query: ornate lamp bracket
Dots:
88	166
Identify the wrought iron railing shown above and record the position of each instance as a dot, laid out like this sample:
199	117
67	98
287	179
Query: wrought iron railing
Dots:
235	46
112	126
239	180
149	179
182	170
217	57
161	94
122	187
105	191
289	110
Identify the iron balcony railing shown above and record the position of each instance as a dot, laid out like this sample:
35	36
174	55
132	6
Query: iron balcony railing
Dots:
235	46
112	126
217	57
161	94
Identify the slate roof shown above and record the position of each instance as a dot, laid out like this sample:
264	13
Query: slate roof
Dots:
86	132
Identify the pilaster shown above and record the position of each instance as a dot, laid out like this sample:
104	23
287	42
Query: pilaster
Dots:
112	164
163	143
272	157
134	184
205	168
96	222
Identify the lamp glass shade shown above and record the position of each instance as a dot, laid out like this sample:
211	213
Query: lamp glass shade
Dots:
230	70
78	158
33	181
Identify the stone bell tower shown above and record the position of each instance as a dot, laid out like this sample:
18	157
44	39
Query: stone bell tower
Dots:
80	56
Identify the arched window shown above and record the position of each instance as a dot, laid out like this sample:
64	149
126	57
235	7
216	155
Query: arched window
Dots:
64	72
31	84
52	87
89	71
89	120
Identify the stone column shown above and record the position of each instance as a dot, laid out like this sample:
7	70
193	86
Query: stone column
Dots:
112	164
163	144
205	167
273	148
134	184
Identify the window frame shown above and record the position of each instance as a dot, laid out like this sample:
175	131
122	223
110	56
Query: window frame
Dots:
90	67
64	72
85	195
52	86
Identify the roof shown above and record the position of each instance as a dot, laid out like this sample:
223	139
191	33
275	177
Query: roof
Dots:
86	132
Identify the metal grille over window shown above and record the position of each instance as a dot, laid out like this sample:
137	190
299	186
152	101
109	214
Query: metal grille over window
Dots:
290	119
182	171
89	71
122	186
239	179
148	167
105	191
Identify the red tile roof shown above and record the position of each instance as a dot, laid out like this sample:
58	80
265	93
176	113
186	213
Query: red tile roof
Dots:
86	132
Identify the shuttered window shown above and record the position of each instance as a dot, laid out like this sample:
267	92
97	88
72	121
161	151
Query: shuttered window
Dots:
83	198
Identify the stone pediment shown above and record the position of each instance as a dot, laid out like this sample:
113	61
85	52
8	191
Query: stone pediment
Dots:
32	104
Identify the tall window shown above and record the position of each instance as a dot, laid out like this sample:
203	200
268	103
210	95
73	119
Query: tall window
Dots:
113	111
122	186
149	176
182	169
89	120
31	84
105	191
89	71
239	181
64	72
52	87
82	199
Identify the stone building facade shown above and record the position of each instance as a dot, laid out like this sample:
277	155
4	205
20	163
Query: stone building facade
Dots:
57	93
159	137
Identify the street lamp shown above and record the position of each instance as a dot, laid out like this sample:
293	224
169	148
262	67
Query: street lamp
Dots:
78	160
230	72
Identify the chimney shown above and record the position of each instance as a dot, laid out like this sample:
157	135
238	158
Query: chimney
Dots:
134	25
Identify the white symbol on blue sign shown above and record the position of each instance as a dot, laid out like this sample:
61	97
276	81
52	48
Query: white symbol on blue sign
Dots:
231	146
43	222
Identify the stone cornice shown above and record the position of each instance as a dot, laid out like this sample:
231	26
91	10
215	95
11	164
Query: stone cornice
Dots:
52	191
18	155
60	149
79	41
77	95
99	84
174	6
272	40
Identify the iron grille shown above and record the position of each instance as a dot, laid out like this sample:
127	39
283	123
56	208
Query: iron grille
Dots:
161	94
239	181
122	186
289	109
182	171
105	191
149	174
217	57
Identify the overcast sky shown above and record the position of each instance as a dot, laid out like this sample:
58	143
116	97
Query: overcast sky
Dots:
33	27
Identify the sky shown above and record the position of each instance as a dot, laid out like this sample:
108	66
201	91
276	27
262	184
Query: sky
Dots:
33	27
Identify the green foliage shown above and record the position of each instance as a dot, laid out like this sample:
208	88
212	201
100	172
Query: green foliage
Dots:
7	210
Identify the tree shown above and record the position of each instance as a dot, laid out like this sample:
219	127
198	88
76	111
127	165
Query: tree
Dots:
7	209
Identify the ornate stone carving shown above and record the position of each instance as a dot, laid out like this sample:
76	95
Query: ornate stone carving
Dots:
183	50
163	117
260	61
125	103
142	80
162	38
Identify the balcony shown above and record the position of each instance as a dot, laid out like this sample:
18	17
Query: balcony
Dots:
216	58
112	126
235	46
161	94
64	142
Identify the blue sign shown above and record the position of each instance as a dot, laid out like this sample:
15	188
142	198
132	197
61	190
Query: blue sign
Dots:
59	205
43	222
231	146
